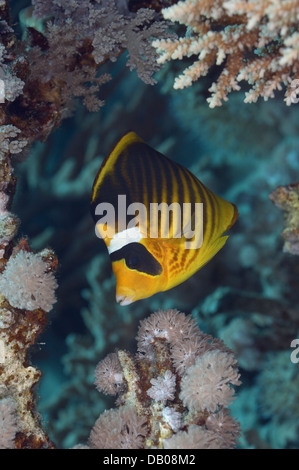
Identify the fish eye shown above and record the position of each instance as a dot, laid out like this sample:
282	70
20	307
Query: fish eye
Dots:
132	262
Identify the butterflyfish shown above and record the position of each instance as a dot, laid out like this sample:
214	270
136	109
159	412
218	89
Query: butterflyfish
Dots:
159	222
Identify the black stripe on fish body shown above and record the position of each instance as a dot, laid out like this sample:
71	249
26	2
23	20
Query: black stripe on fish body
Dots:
164	191
137	257
148	188
143	189
210	212
117	183
160	192
112	185
174	189
217	219
197	195
168	178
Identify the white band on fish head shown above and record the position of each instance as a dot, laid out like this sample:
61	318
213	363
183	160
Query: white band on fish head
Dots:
121	239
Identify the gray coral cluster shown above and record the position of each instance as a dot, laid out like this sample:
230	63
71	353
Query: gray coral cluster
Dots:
27	284
174	394
109	26
11	86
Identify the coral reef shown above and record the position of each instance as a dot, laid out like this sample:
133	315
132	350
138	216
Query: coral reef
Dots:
20	325
248	296
287	199
57	59
174	394
106	29
255	41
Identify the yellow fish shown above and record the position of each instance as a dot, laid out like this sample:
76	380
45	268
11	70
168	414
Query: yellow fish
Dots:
159	222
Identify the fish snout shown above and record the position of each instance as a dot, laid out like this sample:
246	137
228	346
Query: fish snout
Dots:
124	300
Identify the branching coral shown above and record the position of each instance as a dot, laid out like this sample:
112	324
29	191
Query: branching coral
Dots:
164	406
105	30
255	41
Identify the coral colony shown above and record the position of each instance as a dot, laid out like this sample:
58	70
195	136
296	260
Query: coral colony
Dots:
287	199
258	40
175	392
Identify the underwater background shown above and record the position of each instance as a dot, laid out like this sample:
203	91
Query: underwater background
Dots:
246	295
